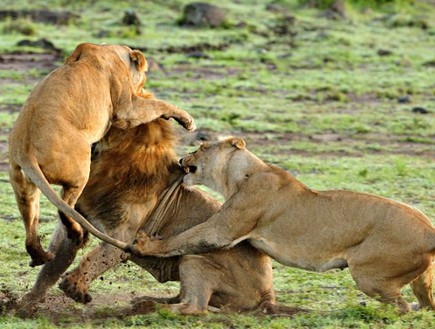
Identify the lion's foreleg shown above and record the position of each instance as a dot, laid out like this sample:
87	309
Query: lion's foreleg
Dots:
65	251
75	284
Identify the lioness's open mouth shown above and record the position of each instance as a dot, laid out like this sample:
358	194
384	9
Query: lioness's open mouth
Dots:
190	169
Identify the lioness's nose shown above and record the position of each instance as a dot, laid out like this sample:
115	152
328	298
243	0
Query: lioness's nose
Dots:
180	161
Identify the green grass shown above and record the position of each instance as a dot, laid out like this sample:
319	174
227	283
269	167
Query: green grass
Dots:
322	104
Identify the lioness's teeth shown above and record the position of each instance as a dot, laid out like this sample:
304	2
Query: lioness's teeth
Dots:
186	169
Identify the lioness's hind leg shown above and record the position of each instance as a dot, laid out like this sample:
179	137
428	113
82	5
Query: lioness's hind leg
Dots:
70	194
382	289
422	288
27	195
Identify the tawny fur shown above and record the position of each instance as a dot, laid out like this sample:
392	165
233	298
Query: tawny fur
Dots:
119	198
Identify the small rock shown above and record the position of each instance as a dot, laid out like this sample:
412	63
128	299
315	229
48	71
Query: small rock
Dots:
430	63
384	52
420	110
131	18
276	8
202	14
404	99
41	43
198	54
335	11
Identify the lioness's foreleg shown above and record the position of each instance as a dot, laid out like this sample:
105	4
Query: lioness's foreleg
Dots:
227	227
144	110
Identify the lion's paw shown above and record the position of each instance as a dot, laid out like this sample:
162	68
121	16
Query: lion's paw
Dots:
78	292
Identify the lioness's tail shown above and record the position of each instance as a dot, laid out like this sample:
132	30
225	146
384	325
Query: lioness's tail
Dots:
33	171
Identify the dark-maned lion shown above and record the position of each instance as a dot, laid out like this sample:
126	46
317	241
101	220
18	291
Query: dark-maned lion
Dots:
70	109
130	172
386	244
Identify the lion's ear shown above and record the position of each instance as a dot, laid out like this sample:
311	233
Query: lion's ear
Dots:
139	60
80	49
238	143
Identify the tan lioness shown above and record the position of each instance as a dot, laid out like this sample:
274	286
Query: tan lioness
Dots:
385	244
73	107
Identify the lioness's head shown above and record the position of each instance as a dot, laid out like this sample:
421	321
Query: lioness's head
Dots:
206	165
134	60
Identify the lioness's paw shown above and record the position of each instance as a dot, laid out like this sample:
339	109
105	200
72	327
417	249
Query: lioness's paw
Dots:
139	246
187	121
40	259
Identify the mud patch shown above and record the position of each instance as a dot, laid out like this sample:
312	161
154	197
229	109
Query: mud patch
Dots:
61	310
26	61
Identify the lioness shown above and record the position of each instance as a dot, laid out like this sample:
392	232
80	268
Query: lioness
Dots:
385	244
120	197
66	112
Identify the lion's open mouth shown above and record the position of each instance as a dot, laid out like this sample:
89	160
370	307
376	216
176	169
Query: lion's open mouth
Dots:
190	169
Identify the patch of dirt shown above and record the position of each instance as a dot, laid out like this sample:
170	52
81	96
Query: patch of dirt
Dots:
22	62
26	61
61	310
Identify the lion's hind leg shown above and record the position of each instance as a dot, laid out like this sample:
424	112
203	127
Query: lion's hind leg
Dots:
422	288
27	195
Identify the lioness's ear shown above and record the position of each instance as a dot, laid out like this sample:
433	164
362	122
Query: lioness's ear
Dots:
238	142
139	60
80	49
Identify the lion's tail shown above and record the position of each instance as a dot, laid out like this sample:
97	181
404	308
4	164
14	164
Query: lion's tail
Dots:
34	172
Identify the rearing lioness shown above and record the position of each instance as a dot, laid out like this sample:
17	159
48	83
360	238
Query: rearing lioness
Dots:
385	244
73	107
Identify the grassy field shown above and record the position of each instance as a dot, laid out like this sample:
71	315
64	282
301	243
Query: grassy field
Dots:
344	103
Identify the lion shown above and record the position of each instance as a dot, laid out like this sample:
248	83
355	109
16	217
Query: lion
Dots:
144	191
384	243
99	86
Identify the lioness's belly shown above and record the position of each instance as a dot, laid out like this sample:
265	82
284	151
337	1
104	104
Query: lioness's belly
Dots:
298	255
